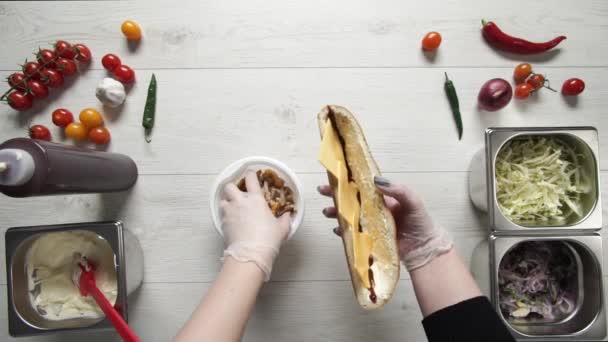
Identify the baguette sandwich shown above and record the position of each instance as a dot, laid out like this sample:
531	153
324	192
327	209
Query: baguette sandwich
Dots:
368	227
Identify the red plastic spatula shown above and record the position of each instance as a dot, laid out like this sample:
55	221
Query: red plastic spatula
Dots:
84	278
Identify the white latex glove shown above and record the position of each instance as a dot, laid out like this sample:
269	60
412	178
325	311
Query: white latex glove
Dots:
251	232
419	239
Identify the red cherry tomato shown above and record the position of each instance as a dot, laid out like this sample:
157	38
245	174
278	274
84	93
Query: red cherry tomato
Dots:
19	100
537	81
62	117
99	135
65	49
16	80
124	74
83	54
40	132
46	57
37	89
67	67
431	41
523	90
110	62
31	70
51	77
573	86
521	72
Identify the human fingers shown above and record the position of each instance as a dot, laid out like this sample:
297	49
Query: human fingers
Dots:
252	182
404	195
325	190
231	192
330	212
284	223
391	204
338	231
223	206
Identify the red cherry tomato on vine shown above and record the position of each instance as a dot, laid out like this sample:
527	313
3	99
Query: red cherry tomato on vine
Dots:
110	62
40	132
431	41
37	89
573	86
83	54
19	100
124	74
521	72
523	90
46	57
62	117
16	80
65	49
99	135
537	81
51	77
67	67
31	70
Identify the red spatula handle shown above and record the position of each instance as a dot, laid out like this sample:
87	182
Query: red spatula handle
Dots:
119	324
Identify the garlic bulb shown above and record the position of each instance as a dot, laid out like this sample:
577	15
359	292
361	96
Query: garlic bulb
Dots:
110	92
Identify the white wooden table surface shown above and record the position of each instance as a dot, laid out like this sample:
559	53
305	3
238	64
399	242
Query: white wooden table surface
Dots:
239	78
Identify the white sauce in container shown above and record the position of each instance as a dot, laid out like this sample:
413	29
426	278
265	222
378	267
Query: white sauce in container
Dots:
50	264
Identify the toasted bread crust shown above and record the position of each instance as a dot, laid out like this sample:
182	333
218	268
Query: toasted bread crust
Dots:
375	218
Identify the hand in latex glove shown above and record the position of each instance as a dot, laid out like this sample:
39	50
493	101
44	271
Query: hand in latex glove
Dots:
419	239
251	232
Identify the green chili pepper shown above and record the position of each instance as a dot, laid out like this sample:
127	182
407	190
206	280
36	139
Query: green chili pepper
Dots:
150	108
450	91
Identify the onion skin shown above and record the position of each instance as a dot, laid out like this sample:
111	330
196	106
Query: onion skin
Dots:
495	94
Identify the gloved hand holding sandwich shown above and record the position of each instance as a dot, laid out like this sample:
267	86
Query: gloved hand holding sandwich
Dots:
380	222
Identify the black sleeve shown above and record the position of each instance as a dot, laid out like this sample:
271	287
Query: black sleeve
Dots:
472	320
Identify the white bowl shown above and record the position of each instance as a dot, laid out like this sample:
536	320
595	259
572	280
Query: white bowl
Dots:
235	171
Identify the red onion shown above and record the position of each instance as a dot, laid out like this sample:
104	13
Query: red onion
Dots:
494	95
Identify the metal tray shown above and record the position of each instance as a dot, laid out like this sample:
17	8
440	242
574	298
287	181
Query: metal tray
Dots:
23	319
588	320
585	142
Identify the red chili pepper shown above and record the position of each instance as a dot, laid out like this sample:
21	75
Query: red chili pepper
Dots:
503	41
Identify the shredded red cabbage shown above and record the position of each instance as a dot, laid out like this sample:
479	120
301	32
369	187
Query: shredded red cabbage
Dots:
538	279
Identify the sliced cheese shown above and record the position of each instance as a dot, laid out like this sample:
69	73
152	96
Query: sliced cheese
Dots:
347	196
332	158
363	249
331	150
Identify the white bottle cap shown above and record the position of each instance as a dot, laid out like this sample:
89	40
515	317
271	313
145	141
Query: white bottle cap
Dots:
16	167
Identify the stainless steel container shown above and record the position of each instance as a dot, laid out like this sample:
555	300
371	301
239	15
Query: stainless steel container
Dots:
588	321
581	235
585	142
23	319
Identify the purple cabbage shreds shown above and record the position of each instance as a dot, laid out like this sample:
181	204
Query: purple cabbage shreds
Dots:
538	279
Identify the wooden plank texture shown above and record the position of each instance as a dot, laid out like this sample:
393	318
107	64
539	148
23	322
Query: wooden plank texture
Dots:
323	311
283	313
316	33
208	118
170	217
241	78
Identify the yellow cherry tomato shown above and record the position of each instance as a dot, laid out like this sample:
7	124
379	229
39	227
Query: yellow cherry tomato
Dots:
76	131
90	118
131	30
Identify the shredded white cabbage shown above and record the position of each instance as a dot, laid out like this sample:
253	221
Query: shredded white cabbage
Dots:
538	180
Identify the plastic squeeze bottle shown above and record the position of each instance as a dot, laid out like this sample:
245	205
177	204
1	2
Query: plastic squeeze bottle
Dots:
31	167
